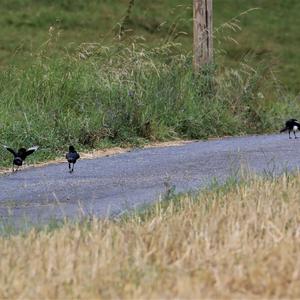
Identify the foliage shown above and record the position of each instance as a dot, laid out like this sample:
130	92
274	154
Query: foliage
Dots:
270	32
130	95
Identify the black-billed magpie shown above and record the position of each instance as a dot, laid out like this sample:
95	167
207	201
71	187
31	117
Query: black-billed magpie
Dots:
20	156
72	157
291	125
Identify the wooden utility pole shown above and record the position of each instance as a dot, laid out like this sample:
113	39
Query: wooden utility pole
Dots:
203	39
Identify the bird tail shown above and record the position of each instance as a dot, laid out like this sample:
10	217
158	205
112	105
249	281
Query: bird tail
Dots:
283	129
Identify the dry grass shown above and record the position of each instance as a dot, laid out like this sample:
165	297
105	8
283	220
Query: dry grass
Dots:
242	243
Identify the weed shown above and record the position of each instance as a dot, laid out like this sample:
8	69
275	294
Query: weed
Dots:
127	95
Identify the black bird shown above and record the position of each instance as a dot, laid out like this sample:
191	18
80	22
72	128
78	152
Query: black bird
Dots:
71	157
20	156
291	125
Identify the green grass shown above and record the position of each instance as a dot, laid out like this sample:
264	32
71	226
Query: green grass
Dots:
270	32
128	96
77	83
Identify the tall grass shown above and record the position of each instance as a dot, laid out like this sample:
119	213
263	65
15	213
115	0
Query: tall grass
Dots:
130	95
239	243
270	32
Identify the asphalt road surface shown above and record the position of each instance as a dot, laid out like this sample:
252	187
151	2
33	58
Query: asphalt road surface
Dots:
110	186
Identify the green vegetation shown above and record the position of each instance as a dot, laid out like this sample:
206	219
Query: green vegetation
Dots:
69	77
270	32
131	95
66	77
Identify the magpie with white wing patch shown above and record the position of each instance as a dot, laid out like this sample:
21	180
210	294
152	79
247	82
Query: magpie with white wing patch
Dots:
291	125
72	157
20	155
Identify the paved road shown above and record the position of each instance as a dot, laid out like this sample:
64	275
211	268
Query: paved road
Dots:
111	185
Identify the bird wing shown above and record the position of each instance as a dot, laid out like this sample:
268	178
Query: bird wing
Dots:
72	156
31	150
10	150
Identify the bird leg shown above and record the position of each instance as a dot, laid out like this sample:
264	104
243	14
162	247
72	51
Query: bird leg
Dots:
70	168
289	134
295	135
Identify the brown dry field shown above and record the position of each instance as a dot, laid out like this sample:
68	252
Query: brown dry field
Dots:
239	243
